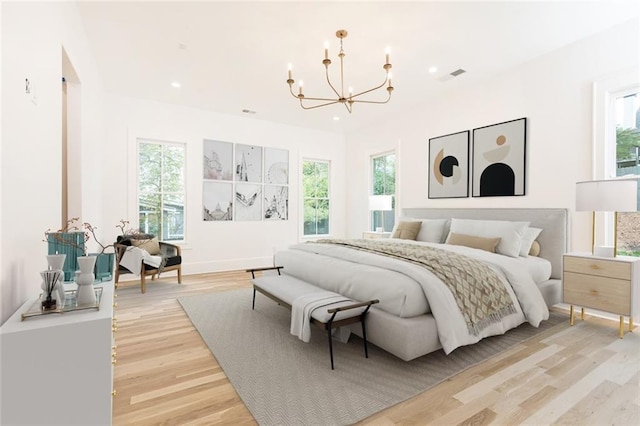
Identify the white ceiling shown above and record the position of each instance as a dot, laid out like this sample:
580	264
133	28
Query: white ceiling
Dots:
229	56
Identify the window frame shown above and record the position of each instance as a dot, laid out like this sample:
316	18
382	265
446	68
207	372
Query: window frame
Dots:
303	198
372	158
605	93
138	192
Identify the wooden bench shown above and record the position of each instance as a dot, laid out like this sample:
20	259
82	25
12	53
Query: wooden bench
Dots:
284	289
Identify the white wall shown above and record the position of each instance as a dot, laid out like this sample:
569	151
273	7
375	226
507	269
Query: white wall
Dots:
33	35
554	92
215	246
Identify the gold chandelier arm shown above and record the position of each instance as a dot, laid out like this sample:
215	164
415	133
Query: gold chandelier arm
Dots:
311	99
372	102
315	106
329	82
386	79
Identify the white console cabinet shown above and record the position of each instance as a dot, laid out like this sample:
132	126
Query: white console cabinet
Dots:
57	369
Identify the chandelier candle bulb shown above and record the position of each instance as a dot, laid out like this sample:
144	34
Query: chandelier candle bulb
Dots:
389	79
300	84
290	71
326	50
386	56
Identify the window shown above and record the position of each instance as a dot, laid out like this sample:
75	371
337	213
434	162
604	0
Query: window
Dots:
384	183
625	115
315	183
161	192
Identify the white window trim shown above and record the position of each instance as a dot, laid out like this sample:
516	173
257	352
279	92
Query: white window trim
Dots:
134	197
302	236
605	91
371	180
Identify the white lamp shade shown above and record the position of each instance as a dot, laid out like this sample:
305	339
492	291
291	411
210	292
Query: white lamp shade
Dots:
615	195
380	202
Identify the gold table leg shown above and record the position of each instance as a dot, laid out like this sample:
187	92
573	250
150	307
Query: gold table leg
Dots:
582	314
571	315
621	326
630	324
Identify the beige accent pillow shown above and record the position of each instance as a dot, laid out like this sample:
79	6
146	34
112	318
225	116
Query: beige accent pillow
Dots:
407	230
487	244
535	249
152	246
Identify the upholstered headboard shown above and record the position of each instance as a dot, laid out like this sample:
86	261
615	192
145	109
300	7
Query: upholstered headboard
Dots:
553	239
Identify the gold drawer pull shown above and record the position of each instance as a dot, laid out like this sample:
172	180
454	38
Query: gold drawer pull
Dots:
113	393
114	361
594	266
115	305
593	292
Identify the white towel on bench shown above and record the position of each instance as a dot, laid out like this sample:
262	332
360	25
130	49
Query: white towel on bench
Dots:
302	308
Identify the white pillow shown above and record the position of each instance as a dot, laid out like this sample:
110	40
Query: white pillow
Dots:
510	233
530	235
432	230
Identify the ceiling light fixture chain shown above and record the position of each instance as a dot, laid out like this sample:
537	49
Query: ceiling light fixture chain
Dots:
351	98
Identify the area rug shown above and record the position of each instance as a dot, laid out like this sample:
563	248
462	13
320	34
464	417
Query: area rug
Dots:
283	380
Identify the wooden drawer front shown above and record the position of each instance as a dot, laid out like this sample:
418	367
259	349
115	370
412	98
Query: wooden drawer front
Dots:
602	268
590	291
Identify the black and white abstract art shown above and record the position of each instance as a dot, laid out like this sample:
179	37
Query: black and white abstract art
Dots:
248	163
248	201
276	166
217	200
276	202
449	166
499	159
217	160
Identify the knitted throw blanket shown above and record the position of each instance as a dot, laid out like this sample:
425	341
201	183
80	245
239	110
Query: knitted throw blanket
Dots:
477	289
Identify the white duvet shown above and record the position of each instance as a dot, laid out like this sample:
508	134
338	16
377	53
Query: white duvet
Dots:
405	289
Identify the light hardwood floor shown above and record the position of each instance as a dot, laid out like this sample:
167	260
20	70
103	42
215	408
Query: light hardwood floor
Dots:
579	375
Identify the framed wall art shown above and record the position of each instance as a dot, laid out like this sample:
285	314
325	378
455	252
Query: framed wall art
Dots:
276	202
248	163
499	159
276	166
244	182
248	201
217	200
449	166
217	160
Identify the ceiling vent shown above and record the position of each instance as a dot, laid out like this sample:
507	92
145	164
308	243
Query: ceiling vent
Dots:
451	75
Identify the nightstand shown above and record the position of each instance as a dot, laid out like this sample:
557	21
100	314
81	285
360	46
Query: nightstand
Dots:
608	284
372	235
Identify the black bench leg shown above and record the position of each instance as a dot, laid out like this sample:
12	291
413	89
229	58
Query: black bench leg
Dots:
253	305
330	347
364	338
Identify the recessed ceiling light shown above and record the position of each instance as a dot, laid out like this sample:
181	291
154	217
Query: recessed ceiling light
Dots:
433	69
336	118
176	84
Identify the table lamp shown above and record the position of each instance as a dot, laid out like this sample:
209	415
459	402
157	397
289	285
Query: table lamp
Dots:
614	195
380	203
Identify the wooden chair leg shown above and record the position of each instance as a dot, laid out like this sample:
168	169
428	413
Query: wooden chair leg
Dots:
117	273
180	275
143	283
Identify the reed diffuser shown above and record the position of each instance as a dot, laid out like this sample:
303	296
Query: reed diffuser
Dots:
50	283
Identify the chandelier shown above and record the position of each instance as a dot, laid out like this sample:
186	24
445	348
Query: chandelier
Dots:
350	98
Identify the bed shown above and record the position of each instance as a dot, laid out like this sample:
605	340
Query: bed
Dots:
417	314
